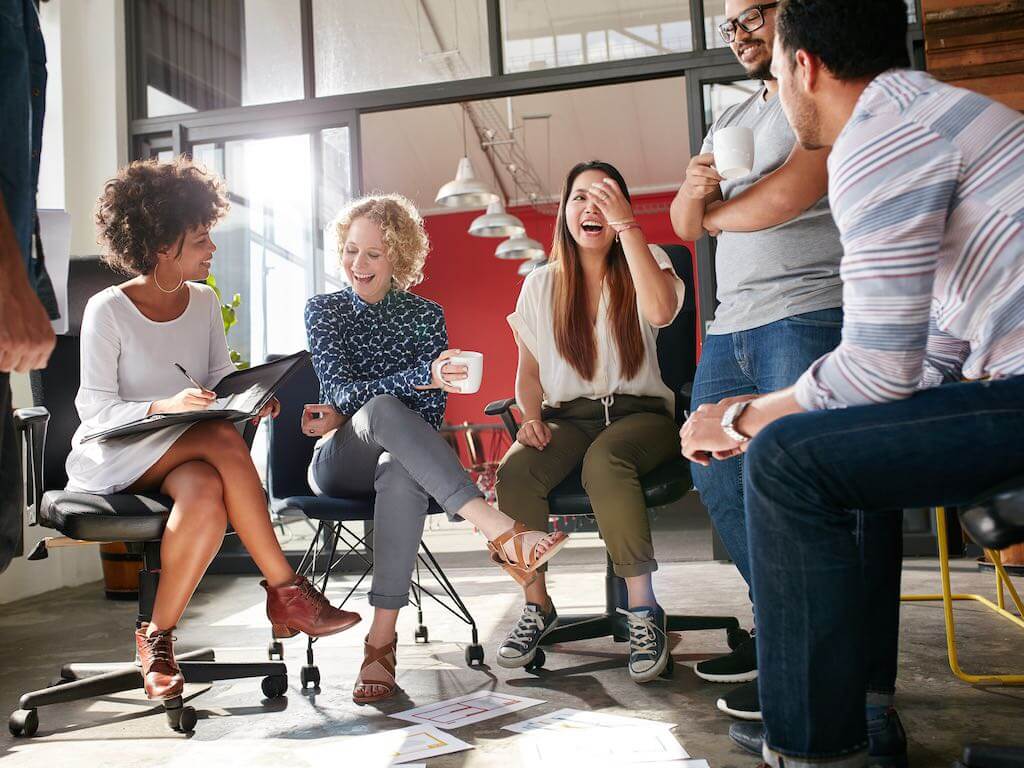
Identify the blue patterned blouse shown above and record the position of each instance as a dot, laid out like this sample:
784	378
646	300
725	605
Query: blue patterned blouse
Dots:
363	350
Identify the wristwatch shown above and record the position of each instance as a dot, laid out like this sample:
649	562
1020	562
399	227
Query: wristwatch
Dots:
729	419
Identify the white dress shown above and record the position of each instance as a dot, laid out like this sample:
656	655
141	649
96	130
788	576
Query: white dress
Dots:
127	363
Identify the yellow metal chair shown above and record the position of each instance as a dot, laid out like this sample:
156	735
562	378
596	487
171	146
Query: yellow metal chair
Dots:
988	525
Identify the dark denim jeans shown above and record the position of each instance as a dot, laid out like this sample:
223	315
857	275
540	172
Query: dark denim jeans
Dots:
805	473
767	359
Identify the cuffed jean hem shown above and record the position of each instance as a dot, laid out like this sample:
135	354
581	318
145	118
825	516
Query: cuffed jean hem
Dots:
777	759
626	570
458	499
388	601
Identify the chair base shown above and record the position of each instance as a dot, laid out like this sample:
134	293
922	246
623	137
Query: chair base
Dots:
80	681
613	624
326	540
947	597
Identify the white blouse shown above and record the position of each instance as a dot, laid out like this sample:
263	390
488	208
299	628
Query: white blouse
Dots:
533	321
127	363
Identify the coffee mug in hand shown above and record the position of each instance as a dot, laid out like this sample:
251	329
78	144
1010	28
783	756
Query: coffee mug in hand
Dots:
474	362
734	151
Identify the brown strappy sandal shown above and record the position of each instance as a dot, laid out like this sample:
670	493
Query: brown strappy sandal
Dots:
524	568
386	658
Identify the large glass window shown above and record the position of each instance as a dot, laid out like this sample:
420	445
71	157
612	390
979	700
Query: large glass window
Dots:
539	34
718	97
211	54
363	46
337	191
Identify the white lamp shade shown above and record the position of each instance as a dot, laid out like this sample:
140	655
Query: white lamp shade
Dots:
465	191
496	223
521	247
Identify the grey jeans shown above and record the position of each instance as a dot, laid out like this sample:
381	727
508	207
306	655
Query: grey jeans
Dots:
386	449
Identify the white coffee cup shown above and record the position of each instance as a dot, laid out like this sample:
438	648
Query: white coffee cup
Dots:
474	362
734	151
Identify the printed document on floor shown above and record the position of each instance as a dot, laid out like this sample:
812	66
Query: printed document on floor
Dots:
601	747
466	710
579	719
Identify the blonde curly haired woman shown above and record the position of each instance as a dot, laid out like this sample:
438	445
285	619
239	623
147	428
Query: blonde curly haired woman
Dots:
380	353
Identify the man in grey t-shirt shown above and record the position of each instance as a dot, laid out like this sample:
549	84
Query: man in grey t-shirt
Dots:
777	268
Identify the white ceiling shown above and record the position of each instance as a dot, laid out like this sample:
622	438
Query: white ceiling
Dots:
640	128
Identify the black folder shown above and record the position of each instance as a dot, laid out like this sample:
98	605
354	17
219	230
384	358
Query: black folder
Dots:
246	393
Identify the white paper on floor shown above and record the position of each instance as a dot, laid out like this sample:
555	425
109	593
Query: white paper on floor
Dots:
579	718
600	747
466	710
414	743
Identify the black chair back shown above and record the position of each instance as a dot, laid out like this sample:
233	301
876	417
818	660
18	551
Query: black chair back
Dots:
677	343
290	450
56	386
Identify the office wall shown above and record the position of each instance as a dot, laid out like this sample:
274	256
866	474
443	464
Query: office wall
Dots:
478	291
84	143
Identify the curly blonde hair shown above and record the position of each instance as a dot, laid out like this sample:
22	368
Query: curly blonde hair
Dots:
401	227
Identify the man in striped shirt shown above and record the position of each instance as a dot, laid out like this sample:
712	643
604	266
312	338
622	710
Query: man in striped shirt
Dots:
926	183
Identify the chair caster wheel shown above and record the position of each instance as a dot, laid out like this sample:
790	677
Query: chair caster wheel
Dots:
666	673
23	722
474	655
537	662
310	675
275	651
274	686
422	636
181	718
736	637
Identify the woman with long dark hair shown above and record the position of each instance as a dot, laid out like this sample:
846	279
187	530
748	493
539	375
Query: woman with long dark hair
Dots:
590	390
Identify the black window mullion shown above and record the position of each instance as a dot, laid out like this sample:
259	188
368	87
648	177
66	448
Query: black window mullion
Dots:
308	53
697	25
495	42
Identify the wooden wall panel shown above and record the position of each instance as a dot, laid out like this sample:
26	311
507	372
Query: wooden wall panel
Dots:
977	44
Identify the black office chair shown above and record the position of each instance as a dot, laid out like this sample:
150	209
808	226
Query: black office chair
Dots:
677	356
290	454
136	519
995	522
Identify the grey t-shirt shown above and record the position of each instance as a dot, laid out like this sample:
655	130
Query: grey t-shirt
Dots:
785	270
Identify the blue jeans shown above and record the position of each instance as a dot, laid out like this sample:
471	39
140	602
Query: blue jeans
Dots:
805	473
767	359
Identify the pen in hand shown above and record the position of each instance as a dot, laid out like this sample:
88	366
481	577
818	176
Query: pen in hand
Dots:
195	383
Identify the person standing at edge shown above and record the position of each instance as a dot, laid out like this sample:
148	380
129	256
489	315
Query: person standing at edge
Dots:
777	269
26	297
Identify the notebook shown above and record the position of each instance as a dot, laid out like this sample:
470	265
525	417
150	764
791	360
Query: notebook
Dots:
241	395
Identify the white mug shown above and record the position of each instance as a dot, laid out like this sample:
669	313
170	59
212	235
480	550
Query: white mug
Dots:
734	151
474	362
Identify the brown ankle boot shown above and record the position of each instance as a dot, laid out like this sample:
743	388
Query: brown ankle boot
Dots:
161	676
300	607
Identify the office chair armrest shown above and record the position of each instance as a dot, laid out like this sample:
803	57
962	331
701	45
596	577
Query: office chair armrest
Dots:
32	423
503	409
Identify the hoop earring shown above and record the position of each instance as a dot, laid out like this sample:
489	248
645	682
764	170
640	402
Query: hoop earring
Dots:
156	279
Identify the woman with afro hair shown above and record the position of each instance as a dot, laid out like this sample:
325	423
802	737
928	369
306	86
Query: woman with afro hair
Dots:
155	221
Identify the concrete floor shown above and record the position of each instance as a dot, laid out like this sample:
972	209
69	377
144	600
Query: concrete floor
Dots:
237	728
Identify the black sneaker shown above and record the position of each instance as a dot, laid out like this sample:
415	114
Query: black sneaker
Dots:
887	741
740	666
742	703
648	643
520	645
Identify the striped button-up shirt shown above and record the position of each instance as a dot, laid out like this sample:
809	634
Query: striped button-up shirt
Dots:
927	189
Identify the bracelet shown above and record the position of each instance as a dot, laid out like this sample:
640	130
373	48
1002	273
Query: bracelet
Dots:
620	228
528	421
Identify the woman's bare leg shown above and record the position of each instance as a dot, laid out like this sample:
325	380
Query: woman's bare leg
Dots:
191	538
220	445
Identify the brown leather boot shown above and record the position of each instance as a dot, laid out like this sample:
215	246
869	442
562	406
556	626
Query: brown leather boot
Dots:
160	673
300	607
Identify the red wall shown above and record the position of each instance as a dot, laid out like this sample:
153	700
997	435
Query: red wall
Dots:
478	291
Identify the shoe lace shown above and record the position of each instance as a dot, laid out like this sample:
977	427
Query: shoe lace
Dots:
314	595
643	632
161	649
530	624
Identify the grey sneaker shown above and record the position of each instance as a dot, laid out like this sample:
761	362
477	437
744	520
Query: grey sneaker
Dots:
520	645
648	643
